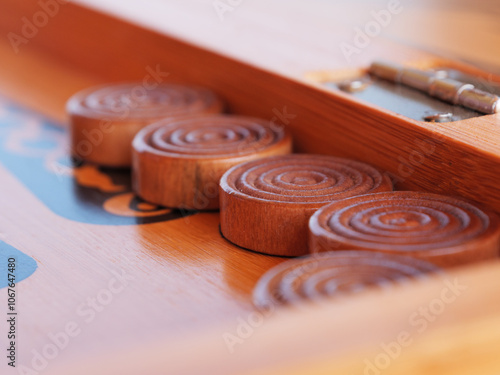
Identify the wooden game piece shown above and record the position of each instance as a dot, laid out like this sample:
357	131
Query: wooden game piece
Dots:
105	119
333	273
266	204
443	230
178	163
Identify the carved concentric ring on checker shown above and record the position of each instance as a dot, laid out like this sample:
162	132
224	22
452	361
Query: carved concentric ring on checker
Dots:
105	119
440	229
307	179
277	195
210	136
178	162
334	274
133	100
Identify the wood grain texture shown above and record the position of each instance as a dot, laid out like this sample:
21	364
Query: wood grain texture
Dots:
266	204
177	286
334	274
287	22
179	162
443	230
361	130
178	275
104	120
343	335
189	279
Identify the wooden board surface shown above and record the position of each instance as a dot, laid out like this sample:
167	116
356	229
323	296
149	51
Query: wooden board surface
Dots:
364	132
429	327
267	33
177	270
186	278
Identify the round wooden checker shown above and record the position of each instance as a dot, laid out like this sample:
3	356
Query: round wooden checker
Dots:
334	273
266	204
179	162
105	119
443	230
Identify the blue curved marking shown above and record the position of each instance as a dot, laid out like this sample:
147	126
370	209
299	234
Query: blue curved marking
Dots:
61	193
25	265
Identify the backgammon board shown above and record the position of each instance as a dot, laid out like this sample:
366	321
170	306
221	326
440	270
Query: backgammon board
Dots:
107	283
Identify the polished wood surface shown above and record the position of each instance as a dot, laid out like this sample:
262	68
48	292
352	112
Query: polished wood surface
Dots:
190	286
266	204
177	285
311	111
178	163
444	327
439	229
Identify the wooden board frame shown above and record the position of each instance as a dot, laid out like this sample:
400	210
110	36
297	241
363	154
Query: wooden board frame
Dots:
321	121
362	131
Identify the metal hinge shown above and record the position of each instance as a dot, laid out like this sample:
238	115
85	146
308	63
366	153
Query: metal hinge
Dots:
437	85
435	95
